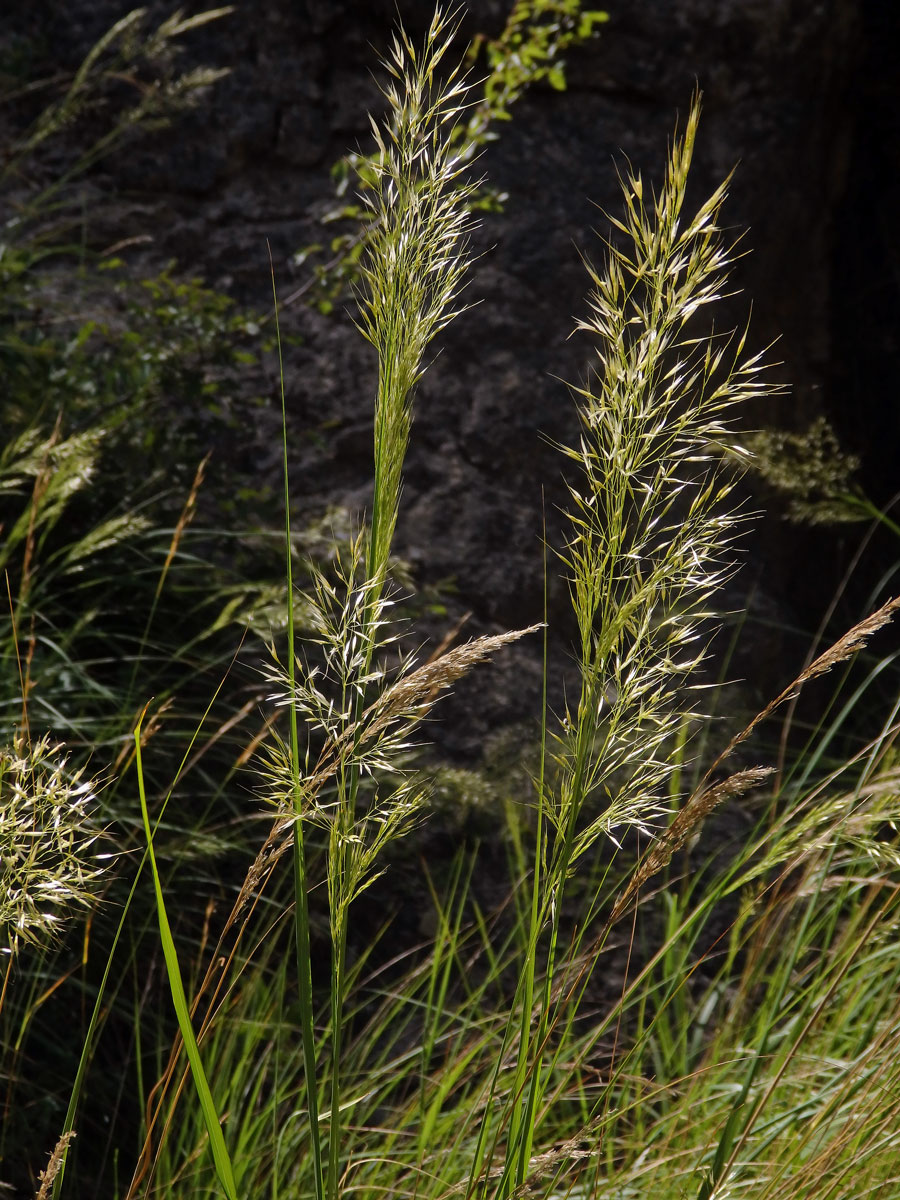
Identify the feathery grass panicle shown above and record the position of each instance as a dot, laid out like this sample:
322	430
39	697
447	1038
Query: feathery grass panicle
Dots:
416	259
340	740
52	1169
652	519
48	865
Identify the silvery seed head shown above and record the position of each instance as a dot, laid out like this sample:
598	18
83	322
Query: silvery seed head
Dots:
48	865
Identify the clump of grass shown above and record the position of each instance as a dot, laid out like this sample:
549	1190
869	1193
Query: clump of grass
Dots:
443	1091
357	713
744	1048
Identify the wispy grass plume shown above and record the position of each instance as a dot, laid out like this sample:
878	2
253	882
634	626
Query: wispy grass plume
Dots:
48	860
652	516
417	258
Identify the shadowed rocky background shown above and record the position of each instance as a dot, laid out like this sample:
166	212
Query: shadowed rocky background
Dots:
798	96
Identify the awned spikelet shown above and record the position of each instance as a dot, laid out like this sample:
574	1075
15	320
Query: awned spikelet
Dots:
48	862
386	724
48	1175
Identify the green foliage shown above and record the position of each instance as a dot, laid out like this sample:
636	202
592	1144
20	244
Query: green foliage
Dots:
144	341
93	486
112	385
113	389
224	1169
529	50
156	361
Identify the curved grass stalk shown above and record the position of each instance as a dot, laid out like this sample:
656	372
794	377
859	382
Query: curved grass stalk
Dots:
221	1157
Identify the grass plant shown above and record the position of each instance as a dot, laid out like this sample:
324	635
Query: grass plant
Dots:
637	1016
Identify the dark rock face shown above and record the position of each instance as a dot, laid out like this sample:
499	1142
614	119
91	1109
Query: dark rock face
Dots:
252	164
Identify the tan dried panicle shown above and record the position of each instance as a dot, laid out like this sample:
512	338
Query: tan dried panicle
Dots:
846	645
419	689
851	641
49	1174
696	810
708	796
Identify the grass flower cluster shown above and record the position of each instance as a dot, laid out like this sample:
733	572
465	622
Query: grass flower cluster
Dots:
48	858
635	1017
